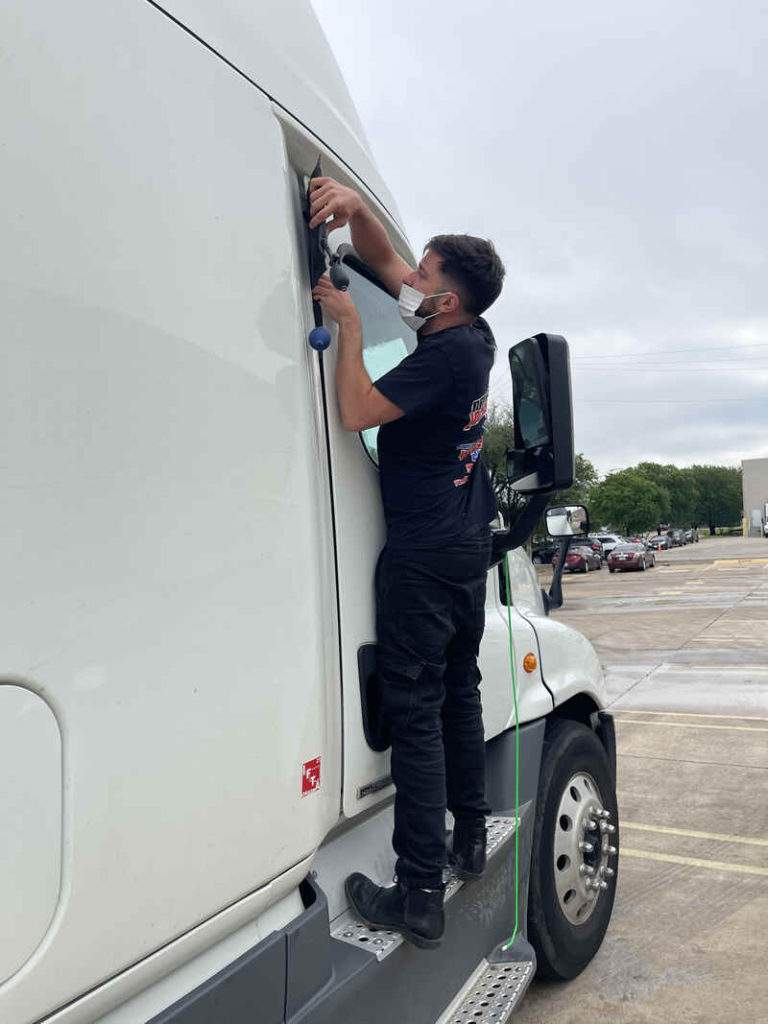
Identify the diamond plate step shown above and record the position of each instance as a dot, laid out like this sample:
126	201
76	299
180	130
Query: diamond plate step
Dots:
347	928
495	991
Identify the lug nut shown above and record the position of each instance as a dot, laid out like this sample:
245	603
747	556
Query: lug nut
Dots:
586	847
590	824
602	885
606	828
585	869
605	814
611	851
609	872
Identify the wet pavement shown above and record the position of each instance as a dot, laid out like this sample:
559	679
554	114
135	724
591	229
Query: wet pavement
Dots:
685	651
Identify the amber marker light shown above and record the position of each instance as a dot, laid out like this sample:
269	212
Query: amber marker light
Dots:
530	664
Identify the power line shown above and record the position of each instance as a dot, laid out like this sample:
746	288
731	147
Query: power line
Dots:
674	351
666	401
673	369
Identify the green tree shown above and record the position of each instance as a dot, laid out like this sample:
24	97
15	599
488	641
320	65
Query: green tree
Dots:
628	501
719	496
680	487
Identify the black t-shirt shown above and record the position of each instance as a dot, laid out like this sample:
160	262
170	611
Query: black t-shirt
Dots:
434	487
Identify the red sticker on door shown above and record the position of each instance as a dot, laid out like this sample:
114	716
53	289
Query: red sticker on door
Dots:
310	776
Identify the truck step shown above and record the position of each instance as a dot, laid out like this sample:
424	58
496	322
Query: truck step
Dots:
495	990
347	928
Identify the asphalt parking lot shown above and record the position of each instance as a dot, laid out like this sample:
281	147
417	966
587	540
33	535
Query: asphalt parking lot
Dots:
685	651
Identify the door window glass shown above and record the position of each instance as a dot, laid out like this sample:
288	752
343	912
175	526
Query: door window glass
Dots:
386	339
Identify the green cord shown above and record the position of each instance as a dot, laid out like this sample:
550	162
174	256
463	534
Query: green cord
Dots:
513	672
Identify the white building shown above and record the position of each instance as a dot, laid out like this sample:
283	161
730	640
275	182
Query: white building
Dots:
754	483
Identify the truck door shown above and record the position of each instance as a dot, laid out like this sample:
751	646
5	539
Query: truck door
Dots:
360	532
360	535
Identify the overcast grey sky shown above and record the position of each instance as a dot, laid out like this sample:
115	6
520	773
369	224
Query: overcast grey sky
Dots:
616	155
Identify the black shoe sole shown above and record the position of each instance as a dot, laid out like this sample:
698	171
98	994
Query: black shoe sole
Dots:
413	937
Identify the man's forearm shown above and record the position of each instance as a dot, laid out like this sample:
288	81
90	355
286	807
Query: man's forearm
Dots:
370	240
353	384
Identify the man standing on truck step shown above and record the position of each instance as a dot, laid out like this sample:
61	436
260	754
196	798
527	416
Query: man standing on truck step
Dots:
430	578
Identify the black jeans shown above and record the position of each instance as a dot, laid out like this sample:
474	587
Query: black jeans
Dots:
430	620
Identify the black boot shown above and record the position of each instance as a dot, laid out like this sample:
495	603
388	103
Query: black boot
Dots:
416	913
469	840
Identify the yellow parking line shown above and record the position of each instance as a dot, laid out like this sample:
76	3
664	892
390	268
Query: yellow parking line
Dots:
688	714
694	862
721	837
694	725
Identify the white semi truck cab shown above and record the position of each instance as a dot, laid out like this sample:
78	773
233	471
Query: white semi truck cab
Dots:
190	752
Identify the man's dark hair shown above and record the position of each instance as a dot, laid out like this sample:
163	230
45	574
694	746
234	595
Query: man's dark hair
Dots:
473	265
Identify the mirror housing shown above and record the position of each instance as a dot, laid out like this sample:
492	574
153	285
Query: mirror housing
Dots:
567	521
542	459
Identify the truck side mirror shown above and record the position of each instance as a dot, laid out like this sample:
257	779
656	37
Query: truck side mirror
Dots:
542	459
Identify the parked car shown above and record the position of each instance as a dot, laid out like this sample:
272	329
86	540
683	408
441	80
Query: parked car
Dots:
609	542
595	543
678	538
692	536
660	542
543	551
579	559
630	556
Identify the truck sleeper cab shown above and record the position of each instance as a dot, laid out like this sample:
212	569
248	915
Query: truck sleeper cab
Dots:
189	545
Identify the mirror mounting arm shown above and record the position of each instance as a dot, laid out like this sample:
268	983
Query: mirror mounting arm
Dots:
519	531
555	595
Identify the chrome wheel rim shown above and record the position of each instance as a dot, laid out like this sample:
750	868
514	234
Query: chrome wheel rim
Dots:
582	848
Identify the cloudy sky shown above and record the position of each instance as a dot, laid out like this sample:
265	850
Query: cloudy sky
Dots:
616	155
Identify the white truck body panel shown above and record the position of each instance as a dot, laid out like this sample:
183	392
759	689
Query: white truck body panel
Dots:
279	45
160	463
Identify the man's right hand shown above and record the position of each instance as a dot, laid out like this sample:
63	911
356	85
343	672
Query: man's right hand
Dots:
328	198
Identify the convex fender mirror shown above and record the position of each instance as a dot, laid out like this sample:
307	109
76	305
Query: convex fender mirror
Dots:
567	521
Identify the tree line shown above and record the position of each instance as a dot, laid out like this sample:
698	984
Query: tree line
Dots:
632	500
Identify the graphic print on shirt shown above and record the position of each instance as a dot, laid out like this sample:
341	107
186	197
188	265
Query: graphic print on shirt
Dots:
477	411
468	453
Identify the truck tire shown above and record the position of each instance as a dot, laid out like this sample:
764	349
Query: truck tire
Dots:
568	908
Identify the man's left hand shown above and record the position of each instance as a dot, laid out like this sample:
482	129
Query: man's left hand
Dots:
338	305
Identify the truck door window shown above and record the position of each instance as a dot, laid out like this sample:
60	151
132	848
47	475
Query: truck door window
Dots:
386	339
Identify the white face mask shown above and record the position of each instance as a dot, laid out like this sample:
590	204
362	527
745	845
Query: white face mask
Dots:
409	301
